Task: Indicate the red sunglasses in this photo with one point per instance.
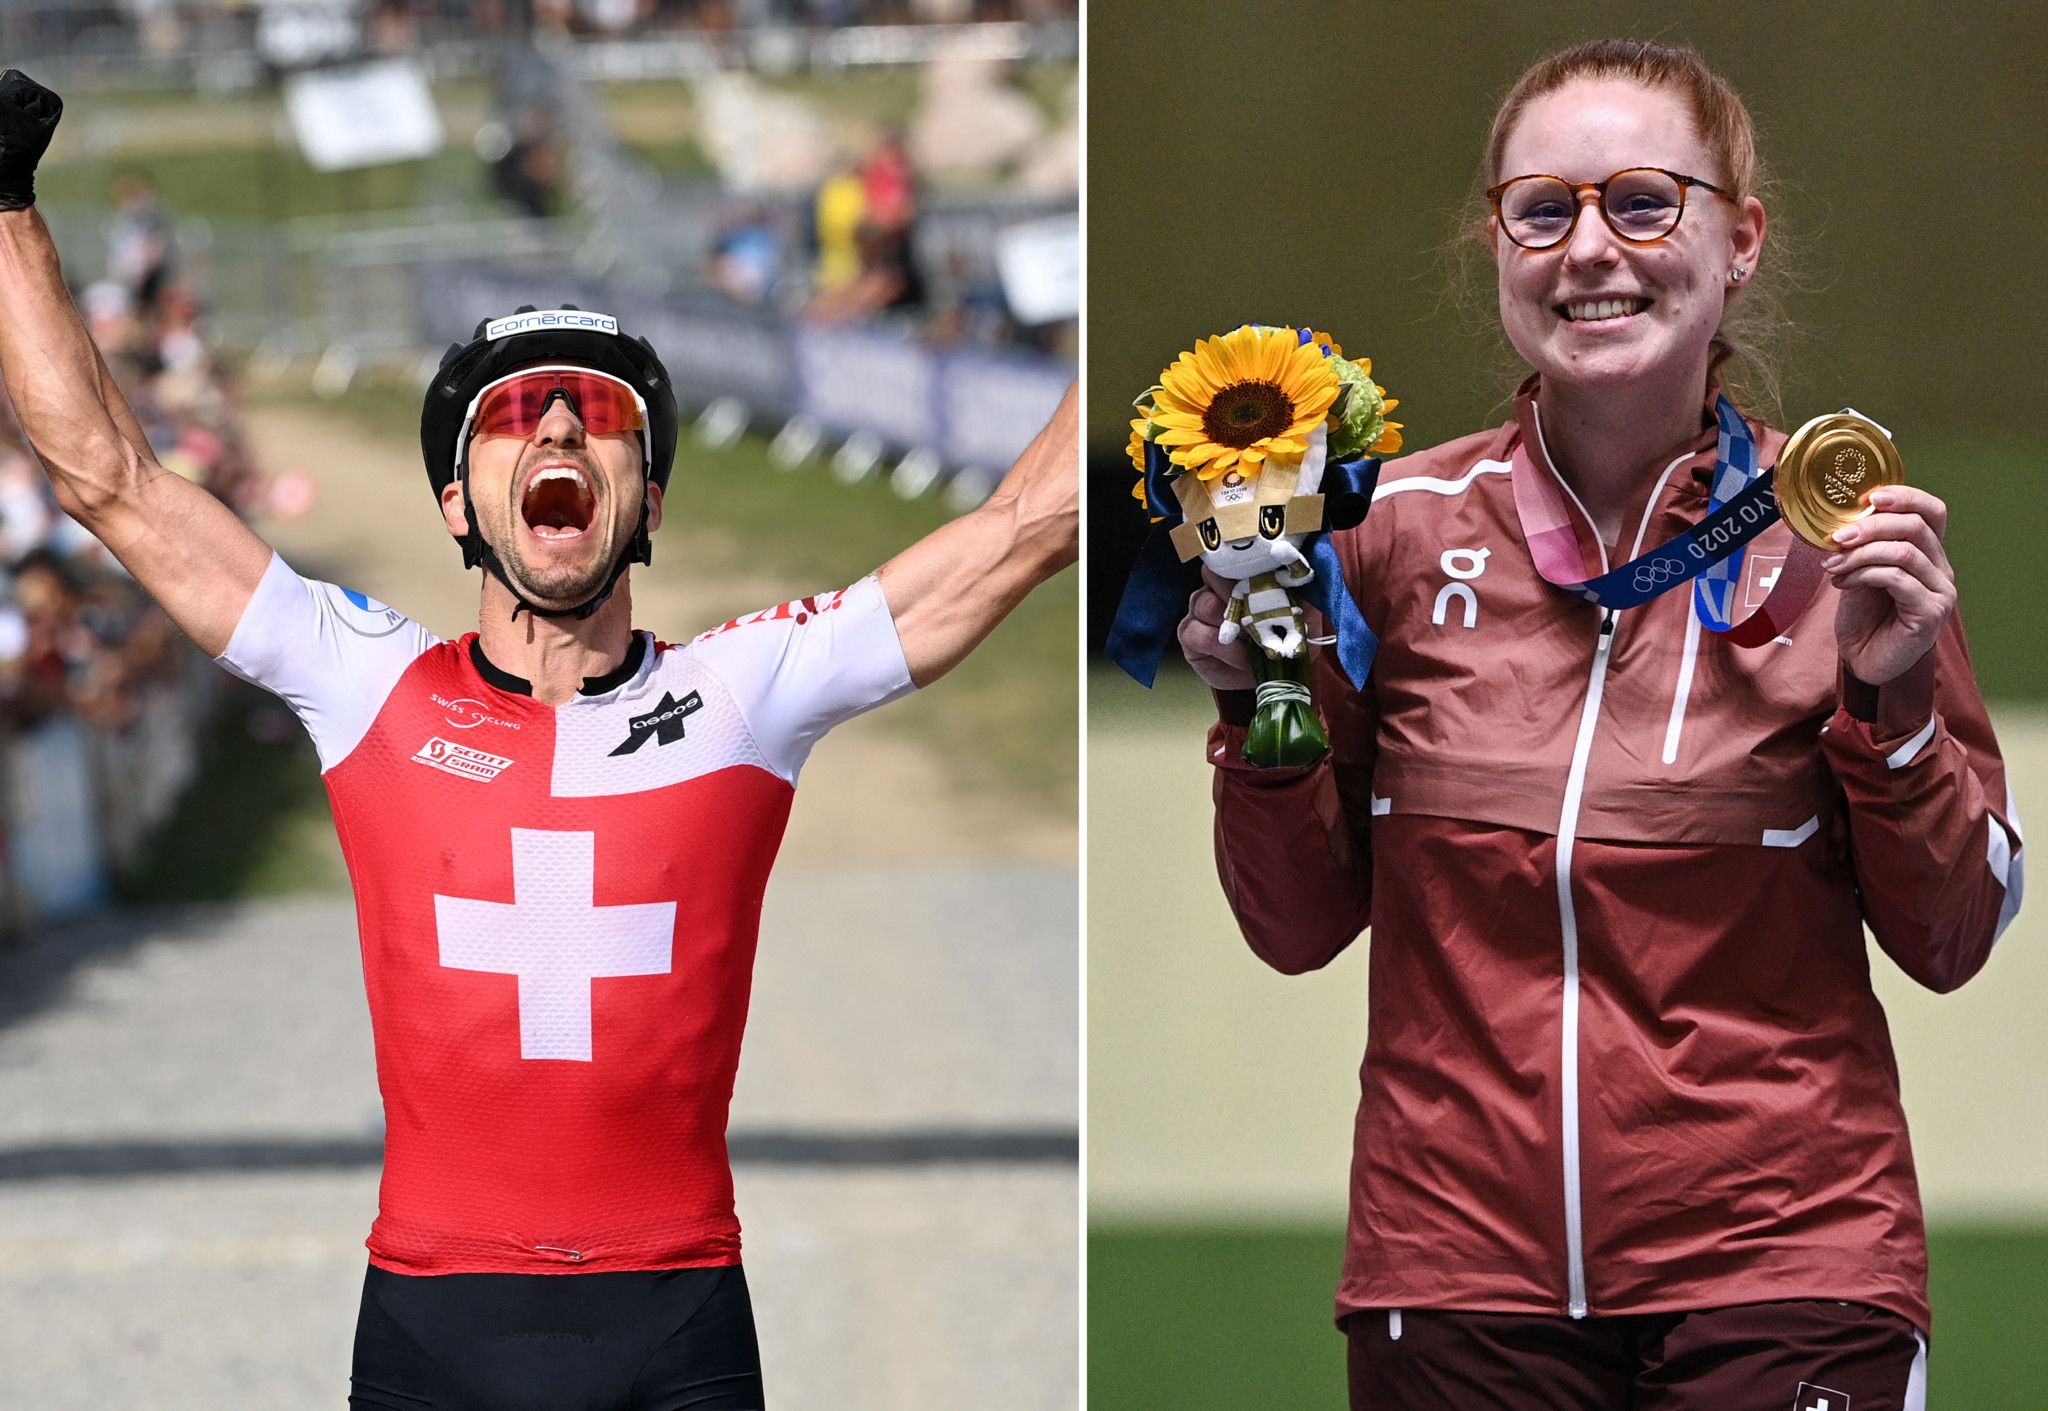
(515, 405)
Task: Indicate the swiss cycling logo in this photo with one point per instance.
(365, 616)
(466, 712)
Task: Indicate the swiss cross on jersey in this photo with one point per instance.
(554, 938)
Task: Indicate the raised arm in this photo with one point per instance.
(950, 589)
(186, 549)
(1932, 823)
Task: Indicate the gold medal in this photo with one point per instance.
(1827, 470)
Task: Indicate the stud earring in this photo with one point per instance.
(1738, 274)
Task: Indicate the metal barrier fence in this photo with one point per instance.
(350, 287)
(78, 802)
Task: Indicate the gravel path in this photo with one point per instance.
(188, 1156)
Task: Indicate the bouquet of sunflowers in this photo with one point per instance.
(1249, 449)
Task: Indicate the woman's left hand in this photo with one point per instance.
(1898, 589)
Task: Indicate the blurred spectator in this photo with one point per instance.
(840, 210)
(747, 255)
(139, 247)
(529, 173)
(26, 511)
(886, 282)
(614, 17)
(393, 28)
(77, 637)
(890, 185)
(970, 308)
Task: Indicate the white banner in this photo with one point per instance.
(364, 115)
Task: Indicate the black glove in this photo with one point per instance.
(28, 119)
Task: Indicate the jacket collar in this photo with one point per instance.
(636, 651)
(1698, 482)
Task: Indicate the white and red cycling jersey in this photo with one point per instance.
(558, 908)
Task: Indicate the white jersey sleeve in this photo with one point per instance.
(801, 668)
(330, 653)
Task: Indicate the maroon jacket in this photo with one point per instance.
(1622, 1053)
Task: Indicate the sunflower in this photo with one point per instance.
(1241, 397)
(1390, 439)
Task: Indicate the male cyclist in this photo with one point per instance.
(558, 829)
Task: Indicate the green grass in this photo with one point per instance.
(268, 184)
(1199, 1318)
(1006, 718)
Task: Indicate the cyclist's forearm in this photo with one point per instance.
(64, 397)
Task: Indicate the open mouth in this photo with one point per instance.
(559, 502)
(1601, 310)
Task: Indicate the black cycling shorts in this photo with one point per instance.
(659, 1340)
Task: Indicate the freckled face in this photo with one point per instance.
(1598, 310)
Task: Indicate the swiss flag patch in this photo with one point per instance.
(1759, 575)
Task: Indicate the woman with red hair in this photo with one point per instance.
(1630, 1131)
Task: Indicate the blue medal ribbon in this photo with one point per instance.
(1155, 596)
(1741, 505)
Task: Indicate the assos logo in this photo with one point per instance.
(461, 760)
(465, 713)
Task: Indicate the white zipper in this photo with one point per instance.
(1681, 696)
(1567, 835)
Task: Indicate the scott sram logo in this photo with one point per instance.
(664, 722)
(452, 758)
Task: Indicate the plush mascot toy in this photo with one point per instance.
(1249, 450)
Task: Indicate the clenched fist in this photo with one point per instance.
(28, 119)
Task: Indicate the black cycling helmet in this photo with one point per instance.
(526, 336)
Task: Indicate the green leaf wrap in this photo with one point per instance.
(1284, 733)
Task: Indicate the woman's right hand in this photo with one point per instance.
(1223, 667)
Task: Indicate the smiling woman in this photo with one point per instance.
(1617, 920)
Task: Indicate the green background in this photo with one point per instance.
(1306, 164)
